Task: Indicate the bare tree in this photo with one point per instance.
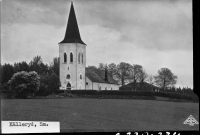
(151, 80)
(165, 78)
(135, 70)
(142, 77)
(122, 73)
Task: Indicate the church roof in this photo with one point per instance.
(97, 75)
(72, 34)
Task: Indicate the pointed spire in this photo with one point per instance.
(72, 34)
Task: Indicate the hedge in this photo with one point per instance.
(132, 93)
(109, 93)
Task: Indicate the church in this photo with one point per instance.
(74, 75)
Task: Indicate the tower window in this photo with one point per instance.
(79, 57)
(80, 76)
(82, 57)
(71, 57)
(68, 76)
(65, 57)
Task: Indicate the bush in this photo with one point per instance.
(8, 94)
(24, 83)
(48, 85)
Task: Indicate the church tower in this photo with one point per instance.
(72, 53)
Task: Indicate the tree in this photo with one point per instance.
(135, 71)
(53, 82)
(122, 73)
(48, 84)
(142, 77)
(38, 66)
(165, 78)
(7, 72)
(21, 66)
(112, 69)
(54, 66)
(24, 83)
(151, 81)
(102, 66)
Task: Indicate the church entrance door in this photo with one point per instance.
(68, 86)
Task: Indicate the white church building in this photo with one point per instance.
(74, 75)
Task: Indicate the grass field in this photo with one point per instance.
(79, 114)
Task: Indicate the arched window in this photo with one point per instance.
(82, 57)
(65, 57)
(68, 76)
(111, 88)
(71, 57)
(79, 57)
(99, 87)
(68, 86)
(106, 88)
(80, 76)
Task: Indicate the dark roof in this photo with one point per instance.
(97, 75)
(72, 34)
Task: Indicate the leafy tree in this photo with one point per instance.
(38, 66)
(21, 66)
(102, 66)
(165, 78)
(53, 82)
(48, 84)
(7, 72)
(112, 69)
(54, 66)
(25, 83)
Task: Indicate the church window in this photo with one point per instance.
(68, 68)
(71, 57)
(65, 57)
(80, 76)
(106, 88)
(86, 83)
(68, 76)
(82, 57)
(111, 88)
(99, 87)
(79, 57)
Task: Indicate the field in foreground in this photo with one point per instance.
(103, 114)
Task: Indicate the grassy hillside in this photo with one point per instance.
(103, 114)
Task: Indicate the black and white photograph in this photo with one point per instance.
(97, 66)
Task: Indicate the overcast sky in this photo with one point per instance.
(152, 33)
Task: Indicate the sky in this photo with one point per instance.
(153, 33)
